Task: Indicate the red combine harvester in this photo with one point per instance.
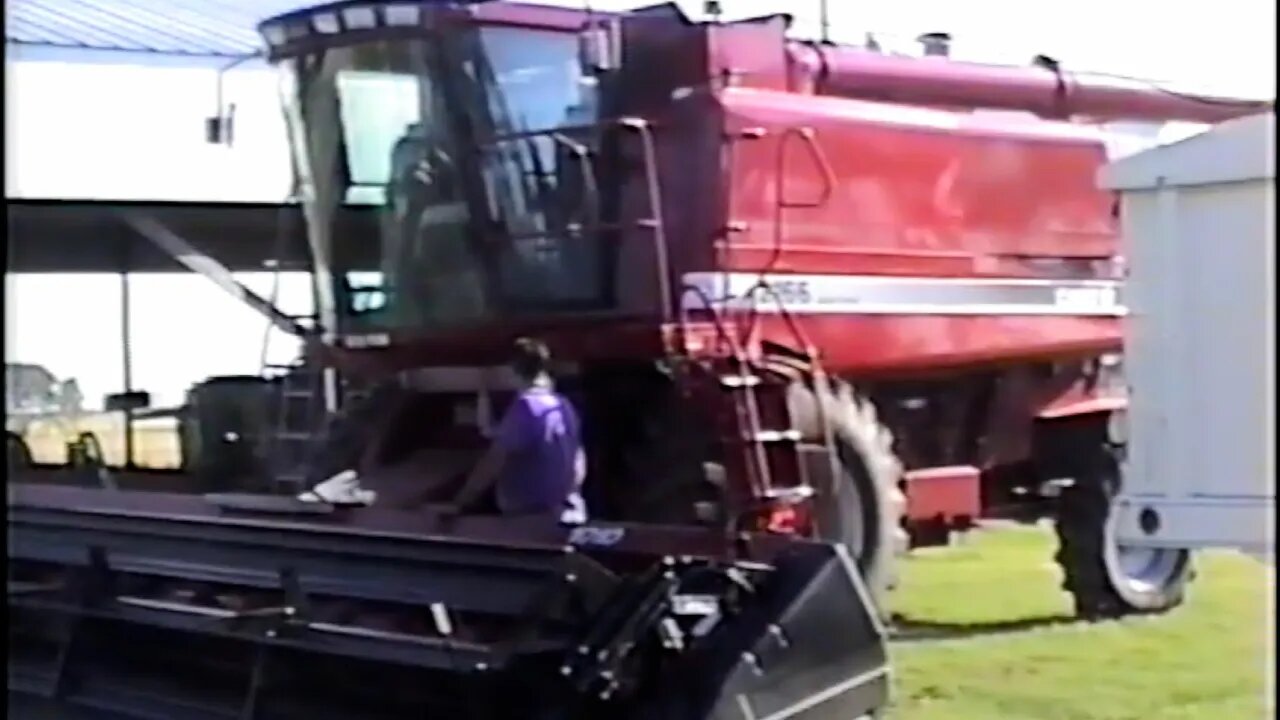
(807, 284)
(814, 302)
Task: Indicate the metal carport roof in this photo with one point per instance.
(213, 28)
(89, 235)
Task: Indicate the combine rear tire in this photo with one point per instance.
(871, 504)
(1105, 579)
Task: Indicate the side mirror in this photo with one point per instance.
(220, 129)
(600, 47)
(136, 400)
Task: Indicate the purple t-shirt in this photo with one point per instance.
(541, 436)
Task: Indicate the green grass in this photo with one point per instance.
(1011, 652)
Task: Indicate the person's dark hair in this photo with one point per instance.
(531, 358)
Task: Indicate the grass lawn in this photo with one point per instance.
(1010, 651)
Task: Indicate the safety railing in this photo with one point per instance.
(590, 204)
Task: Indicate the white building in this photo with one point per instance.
(106, 106)
(107, 100)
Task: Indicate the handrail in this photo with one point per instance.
(807, 135)
(758, 476)
(717, 322)
(788, 317)
(591, 203)
(497, 139)
(658, 222)
(653, 188)
(819, 157)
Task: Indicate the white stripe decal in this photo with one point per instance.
(894, 295)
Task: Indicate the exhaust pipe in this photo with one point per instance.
(936, 44)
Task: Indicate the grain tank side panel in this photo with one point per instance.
(932, 189)
(914, 240)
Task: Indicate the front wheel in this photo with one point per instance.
(1105, 578)
(866, 514)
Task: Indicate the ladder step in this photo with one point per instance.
(295, 435)
(786, 351)
(771, 436)
(794, 494)
(299, 394)
(18, 587)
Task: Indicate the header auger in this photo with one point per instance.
(264, 607)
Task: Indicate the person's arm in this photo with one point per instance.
(482, 476)
(579, 467)
(580, 456)
(509, 438)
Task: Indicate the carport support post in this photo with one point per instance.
(126, 346)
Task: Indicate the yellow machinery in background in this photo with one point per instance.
(219, 435)
(85, 437)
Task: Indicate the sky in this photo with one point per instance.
(186, 329)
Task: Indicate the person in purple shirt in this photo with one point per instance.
(535, 461)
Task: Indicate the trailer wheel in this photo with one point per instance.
(86, 452)
(19, 455)
(870, 503)
(1105, 579)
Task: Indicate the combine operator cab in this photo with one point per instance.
(461, 145)
(477, 172)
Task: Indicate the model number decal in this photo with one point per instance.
(1085, 298)
(792, 291)
(902, 295)
(596, 536)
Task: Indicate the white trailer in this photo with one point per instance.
(1199, 238)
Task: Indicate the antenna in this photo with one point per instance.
(824, 20)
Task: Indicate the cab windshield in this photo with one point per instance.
(445, 140)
